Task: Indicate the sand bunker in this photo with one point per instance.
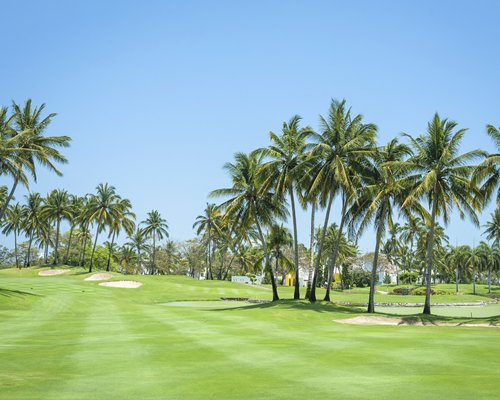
(379, 320)
(99, 277)
(122, 284)
(51, 272)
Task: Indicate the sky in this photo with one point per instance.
(158, 95)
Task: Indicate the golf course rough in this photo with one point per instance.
(67, 338)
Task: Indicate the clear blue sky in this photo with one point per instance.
(157, 95)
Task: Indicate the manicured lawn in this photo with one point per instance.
(65, 338)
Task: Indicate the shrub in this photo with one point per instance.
(360, 278)
(403, 291)
(404, 277)
(421, 291)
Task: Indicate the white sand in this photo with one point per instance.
(122, 284)
(379, 320)
(51, 272)
(99, 277)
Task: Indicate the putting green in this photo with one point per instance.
(65, 338)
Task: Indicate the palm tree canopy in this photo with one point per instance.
(155, 225)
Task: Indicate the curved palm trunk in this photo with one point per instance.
(311, 255)
(336, 251)
(46, 252)
(9, 198)
(296, 293)
(267, 262)
(93, 247)
(82, 263)
(110, 250)
(15, 249)
(312, 295)
(430, 254)
(56, 253)
(66, 256)
(371, 299)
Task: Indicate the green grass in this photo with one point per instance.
(65, 338)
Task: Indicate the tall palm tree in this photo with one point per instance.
(155, 226)
(123, 217)
(279, 238)
(488, 172)
(442, 176)
(35, 147)
(338, 158)
(32, 220)
(251, 203)
(76, 208)
(409, 232)
(13, 223)
(57, 207)
(102, 208)
(381, 195)
(492, 230)
(284, 171)
(209, 223)
(138, 241)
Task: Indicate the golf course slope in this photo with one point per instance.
(64, 337)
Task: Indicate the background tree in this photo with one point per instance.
(13, 223)
(155, 226)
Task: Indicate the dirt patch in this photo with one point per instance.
(99, 277)
(379, 320)
(122, 284)
(51, 272)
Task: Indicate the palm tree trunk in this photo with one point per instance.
(489, 279)
(311, 255)
(56, 254)
(28, 255)
(154, 255)
(109, 251)
(140, 258)
(411, 259)
(430, 253)
(474, 279)
(93, 247)
(336, 251)
(66, 257)
(83, 250)
(266, 261)
(209, 268)
(312, 295)
(371, 299)
(15, 248)
(9, 198)
(296, 293)
(456, 278)
(46, 252)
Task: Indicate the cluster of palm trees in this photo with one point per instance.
(427, 177)
(88, 217)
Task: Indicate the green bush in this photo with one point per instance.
(404, 277)
(421, 291)
(360, 278)
(402, 291)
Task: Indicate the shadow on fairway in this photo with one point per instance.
(15, 293)
(320, 307)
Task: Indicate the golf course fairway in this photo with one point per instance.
(62, 337)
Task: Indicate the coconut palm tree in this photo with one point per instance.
(123, 217)
(138, 241)
(409, 233)
(57, 207)
(209, 222)
(102, 208)
(32, 215)
(155, 226)
(279, 238)
(338, 158)
(250, 203)
(488, 172)
(34, 147)
(442, 176)
(492, 230)
(76, 208)
(12, 224)
(382, 194)
(284, 171)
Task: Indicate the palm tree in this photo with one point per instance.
(34, 147)
(278, 239)
(76, 204)
(492, 230)
(251, 203)
(488, 172)
(209, 222)
(284, 171)
(138, 241)
(409, 232)
(57, 207)
(102, 208)
(382, 193)
(443, 177)
(337, 158)
(123, 217)
(155, 226)
(32, 220)
(13, 223)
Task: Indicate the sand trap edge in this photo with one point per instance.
(122, 284)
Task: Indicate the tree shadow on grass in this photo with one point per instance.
(319, 306)
(430, 320)
(16, 293)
